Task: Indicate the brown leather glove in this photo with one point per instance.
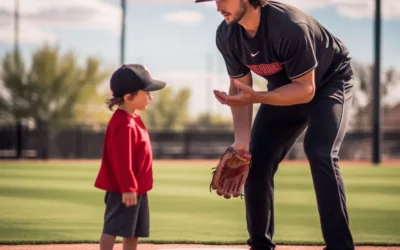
(231, 173)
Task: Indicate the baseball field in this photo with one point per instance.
(55, 202)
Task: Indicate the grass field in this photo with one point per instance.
(56, 202)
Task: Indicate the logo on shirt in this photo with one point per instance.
(253, 55)
(266, 69)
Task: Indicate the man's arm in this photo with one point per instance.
(301, 90)
(296, 47)
(241, 115)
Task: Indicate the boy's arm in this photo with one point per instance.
(122, 150)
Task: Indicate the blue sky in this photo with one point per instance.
(174, 39)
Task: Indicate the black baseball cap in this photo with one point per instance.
(130, 78)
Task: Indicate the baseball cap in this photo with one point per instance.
(133, 77)
(199, 1)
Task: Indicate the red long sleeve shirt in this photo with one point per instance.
(126, 163)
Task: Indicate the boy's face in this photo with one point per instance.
(140, 101)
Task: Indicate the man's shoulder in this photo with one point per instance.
(282, 17)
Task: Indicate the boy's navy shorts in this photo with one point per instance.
(127, 222)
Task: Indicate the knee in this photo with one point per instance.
(316, 152)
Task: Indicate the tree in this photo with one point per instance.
(168, 110)
(51, 89)
(363, 101)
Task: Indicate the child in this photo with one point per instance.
(126, 167)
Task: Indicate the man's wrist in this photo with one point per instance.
(241, 145)
(261, 96)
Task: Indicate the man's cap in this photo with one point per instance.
(130, 78)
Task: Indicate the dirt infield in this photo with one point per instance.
(173, 247)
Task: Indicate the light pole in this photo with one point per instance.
(376, 93)
(123, 20)
(16, 26)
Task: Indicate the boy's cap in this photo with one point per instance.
(133, 77)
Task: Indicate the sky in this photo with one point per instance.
(175, 39)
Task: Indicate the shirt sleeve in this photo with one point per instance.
(234, 67)
(122, 151)
(296, 47)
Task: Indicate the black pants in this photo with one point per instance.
(274, 132)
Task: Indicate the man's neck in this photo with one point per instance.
(251, 20)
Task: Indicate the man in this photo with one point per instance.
(308, 72)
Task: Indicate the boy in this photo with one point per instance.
(126, 167)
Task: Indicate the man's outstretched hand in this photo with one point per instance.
(246, 95)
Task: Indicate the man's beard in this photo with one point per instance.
(239, 13)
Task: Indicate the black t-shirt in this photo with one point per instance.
(287, 45)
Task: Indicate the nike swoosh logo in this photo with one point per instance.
(253, 55)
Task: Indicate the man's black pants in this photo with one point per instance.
(274, 132)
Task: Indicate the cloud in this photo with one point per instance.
(29, 34)
(38, 16)
(157, 2)
(355, 9)
(366, 9)
(186, 18)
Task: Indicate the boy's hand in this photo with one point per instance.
(129, 199)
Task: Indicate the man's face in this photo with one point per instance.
(231, 10)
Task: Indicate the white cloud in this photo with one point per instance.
(30, 34)
(184, 17)
(366, 9)
(158, 2)
(38, 15)
(350, 8)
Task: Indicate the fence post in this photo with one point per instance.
(19, 139)
(45, 139)
(78, 141)
(187, 142)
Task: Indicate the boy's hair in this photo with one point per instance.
(116, 101)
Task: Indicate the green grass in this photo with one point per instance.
(49, 202)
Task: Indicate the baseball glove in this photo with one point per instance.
(230, 175)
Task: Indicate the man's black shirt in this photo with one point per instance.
(288, 44)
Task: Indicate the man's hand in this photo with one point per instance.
(129, 198)
(245, 95)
